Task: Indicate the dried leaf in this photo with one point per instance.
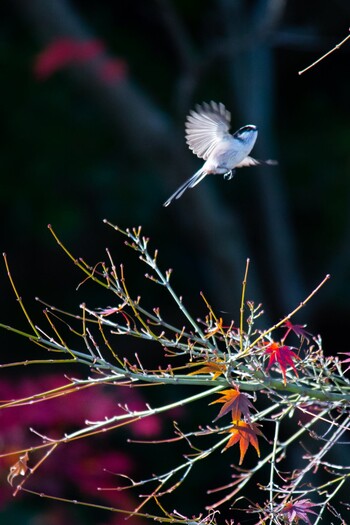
(19, 468)
(218, 328)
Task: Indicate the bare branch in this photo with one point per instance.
(335, 48)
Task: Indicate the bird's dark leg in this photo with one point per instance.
(229, 174)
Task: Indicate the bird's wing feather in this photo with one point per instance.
(206, 127)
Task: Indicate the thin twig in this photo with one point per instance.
(244, 285)
(335, 48)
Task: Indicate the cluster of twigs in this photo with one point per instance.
(286, 400)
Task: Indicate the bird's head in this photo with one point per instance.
(246, 133)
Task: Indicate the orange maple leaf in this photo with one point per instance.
(245, 434)
(211, 368)
(236, 402)
(283, 355)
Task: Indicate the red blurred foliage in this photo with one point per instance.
(113, 69)
(82, 465)
(65, 52)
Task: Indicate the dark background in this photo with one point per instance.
(76, 149)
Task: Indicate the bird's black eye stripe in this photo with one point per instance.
(247, 128)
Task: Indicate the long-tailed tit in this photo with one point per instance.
(207, 135)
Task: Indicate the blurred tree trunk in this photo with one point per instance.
(251, 72)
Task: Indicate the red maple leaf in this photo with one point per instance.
(297, 510)
(246, 434)
(283, 355)
(236, 402)
(298, 329)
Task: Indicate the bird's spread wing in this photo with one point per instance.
(207, 126)
(249, 161)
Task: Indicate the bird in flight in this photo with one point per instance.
(207, 135)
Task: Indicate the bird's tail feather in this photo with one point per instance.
(190, 183)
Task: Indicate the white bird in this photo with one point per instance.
(207, 135)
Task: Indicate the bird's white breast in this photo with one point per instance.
(227, 155)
